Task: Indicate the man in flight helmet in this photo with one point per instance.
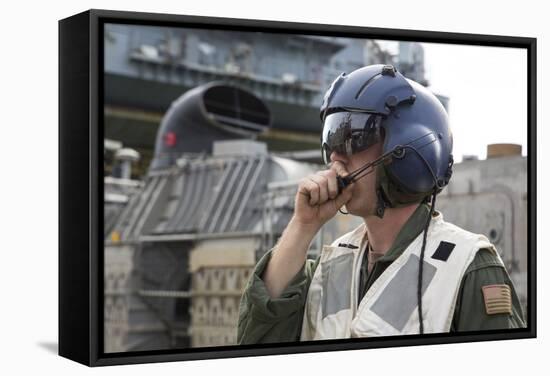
(378, 102)
(404, 270)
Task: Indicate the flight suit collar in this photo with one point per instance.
(410, 230)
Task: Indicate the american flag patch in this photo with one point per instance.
(498, 299)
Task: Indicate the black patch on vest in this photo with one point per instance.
(443, 251)
(351, 246)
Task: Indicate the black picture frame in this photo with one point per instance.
(81, 186)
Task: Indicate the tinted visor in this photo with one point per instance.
(348, 133)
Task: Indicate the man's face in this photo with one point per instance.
(363, 201)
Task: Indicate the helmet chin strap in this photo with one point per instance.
(381, 202)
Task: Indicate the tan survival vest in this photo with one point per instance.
(389, 307)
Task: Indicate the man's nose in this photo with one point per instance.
(339, 163)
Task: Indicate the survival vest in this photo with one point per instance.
(389, 306)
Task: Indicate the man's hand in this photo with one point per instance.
(317, 200)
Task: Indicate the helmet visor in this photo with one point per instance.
(348, 133)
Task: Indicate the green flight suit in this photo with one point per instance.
(266, 320)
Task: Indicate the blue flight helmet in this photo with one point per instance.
(375, 102)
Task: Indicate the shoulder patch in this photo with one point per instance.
(498, 299)
(443, 251)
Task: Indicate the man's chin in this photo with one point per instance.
(359, 210)
(352, 208)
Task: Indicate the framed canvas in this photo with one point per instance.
(187, 144)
